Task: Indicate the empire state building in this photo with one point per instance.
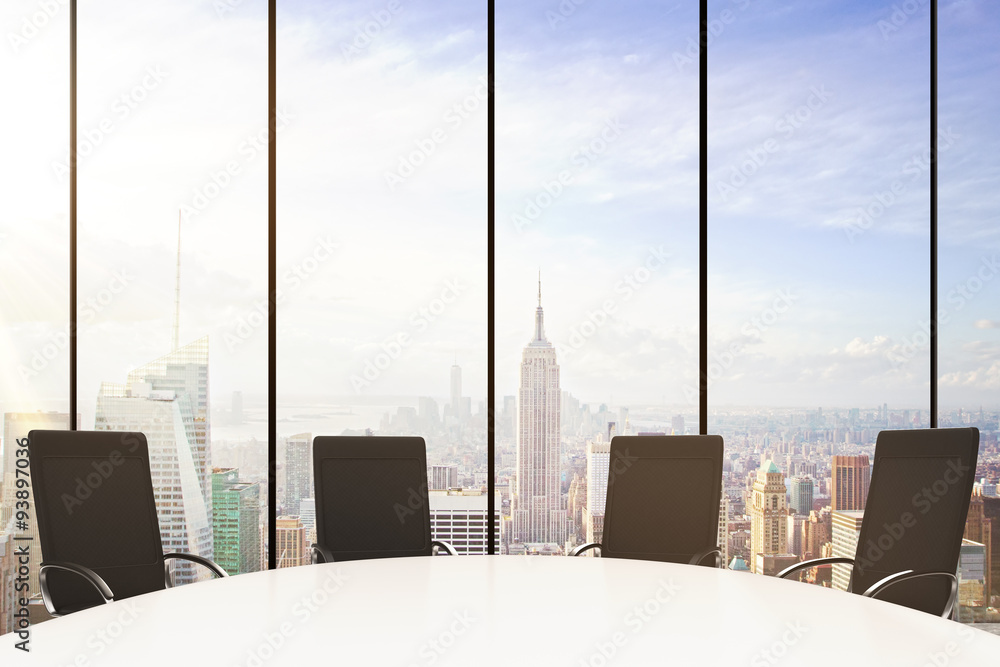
(537, 512)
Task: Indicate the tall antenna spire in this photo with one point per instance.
(177, 290)
(539, 338)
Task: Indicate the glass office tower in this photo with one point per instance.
(235, 521)
(167, 400)
(298, 471)
(801, 495)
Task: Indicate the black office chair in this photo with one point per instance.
(911, 532)
(371, 499)
(97, 522)
(663, 499)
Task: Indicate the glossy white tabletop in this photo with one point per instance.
(501, 610)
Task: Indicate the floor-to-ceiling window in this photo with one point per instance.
(382, 247)
(818, 259)
(969, 278)
(819, 328)
(597, 251)
(34, 258)
(172, 253)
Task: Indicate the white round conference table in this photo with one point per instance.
(501, 610)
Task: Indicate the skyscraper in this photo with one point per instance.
(598, 465)
(846, 530)
(235, 522)
(307, 514)
(167, 400)
(991, 511)
(185, 372)
(815, 533)
(443, 477)
(973, 568)
(801, 493)
(459, 518)
(536, 507)
(723, 532)
(577, 503)
(795, 532)
(290, 536)
(979, 528)
(298, 467)
(768, 512)
(849, 479)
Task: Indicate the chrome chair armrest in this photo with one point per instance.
(92, 578)
(443, 545)
(813, 563)
(908, 575)
(214, 567)
(576, 551)
(701, 555)
(321, 555)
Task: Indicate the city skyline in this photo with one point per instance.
(820, 432)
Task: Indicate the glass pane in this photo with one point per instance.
(173, 260)
(34, 256)
(819, 237)
(382, 248)
(597, 247)
(968, 287)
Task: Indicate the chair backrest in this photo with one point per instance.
(663, 497)
(371, 496)
(94, 506)
(914, 517)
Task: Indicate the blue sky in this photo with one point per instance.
(373, 254)
(861, 298)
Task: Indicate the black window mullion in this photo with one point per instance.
(272, 286)
(703, 219)
(72, 216)
(934, 215)
(491, 285)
